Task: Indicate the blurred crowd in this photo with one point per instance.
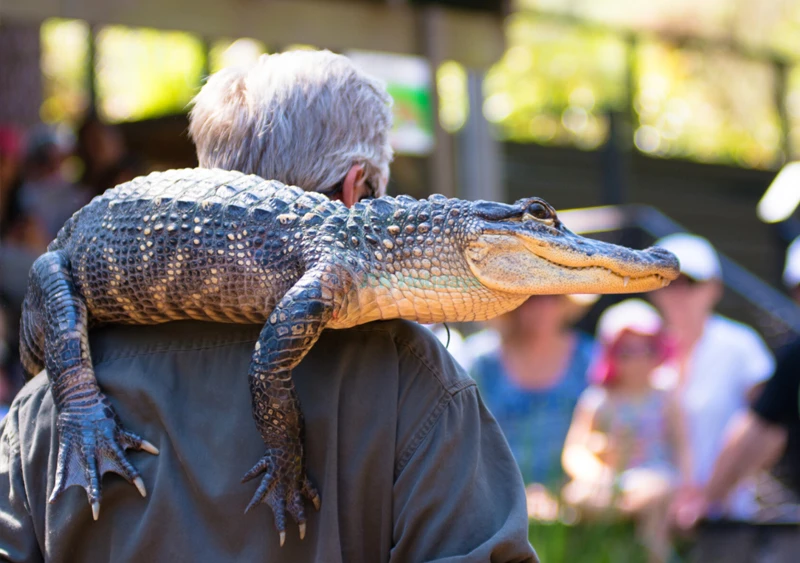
(46, 174)
(642, 420)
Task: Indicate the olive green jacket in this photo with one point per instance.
(410, 465)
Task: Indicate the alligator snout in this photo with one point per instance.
(665, 261)
(665, 256)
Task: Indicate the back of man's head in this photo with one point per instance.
(301, 117)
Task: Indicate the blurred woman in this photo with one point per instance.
(101, 149)
(626, 450)
(531, 368)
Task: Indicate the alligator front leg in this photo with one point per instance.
(292, 329)
(91, 440)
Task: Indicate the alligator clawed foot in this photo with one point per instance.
(92, 443)
(283, 488)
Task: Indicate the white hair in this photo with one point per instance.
(301, 117)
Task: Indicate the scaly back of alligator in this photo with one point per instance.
(223, 246)
(198, 244)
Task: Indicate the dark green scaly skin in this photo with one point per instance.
(221, 246)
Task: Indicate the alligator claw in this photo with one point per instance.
(92, 443)
(140, 486)
(149, 448)
(283, 488)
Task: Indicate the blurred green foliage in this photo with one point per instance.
(554, 85)
(451, 84)
(557, 542)
(793, 109)
(144, 73)
(692, 100)
(557, 81)
(65, 75)
(772, 26)
(706, 105)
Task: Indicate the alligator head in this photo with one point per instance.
(524, 249)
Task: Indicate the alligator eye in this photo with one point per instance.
(540, 212)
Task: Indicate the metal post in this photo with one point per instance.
(616, 154)
(480, 153)
(441, 167)
(91, 70)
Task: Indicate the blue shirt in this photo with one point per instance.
(535, 421)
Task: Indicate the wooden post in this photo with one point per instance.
(441, 166)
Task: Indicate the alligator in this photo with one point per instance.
(217, 245)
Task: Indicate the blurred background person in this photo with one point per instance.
(124, 170)
(766, 436)
(11, 157)
(531, 380)
(21, 240)
(46, 197)
(720, 364)
(101, 149)
(626, 450)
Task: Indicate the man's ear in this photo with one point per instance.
(354, 187)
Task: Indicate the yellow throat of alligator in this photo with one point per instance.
(530, 265)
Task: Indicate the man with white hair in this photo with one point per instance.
(307, 118)
(770, 430)
(722, 364)
(408, 462)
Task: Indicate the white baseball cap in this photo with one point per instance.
(791, 271)
(632, 315)
(698, 258)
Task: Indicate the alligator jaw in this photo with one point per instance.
(571, 264)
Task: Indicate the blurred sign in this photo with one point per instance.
(408, 80)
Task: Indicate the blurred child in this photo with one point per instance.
(530, 375)
(721, 366)
(626, 449)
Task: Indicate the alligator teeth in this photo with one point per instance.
(664, 282)
(625, 281)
